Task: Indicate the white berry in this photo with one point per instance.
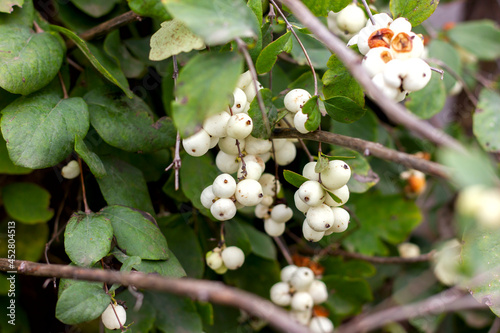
(216, 125)
(249, 192)
(309, 172)
(239, 126)
(408, 250)
(273, 228)
(255, 146)
(299, 122)
(321, 325)
(281, 213)
(269, 185)
(286, 154)
(253, 170)
(233, 257)
(280, 294)
(351, 19)
(388, 91)
(250, 90)
(311, 193)
(318, 291)
(71, 170)
(244, 80)
(214, 259)
(224, 186)
(401, 24)
(299, 204)
(418, 75)
(310, 234)
(240, 101)
(302, 317)
(197, 144)
(109, 317)
(301, 301)
(341, 193)
(302, 278)
(226, 162)
(295, 99)
(228, 145)
(341, 220)
(287, 272)
(207, 197)
(336, 175)
(223, 209)
(261, 211)
(394, 73)
(320, 218)
(375, 60)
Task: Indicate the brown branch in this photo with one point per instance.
(396, 112)
(384, 260)
(447, 301)
(368, 148)
(105, 27)
(201, 290)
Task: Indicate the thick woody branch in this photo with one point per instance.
(201, 290)
(396, 112)
(447, 301)
(368, 148)
(105, 27)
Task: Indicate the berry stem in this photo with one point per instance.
(243, 164)
(242, 46)
(276, 172)
(290, 27)
(370, 15)
(284, 250)
(437, 70)
(177, 162)
(84, 193)
(63, 86)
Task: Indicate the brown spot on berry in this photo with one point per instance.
(249, 122)
(327, 226)
(346, 166)
(225, 181)
(238, 106)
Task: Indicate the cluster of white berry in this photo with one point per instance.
(220, 259)
(113, 316)
(294, 101)
(300, 290)
(393, 56)
(324, 215)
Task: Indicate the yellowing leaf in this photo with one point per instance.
(173, 38)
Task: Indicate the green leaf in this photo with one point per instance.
(204, 87)
(124, 185)
(321, 164)
(114, 47)
(87, 238)
(294, 178)
(136, 234)
(6, 165)
(216, 21)
(257, 275)
(471, 168)
(338, 81)
(445, 52)
(29, 60)
(267, 58)
(27, 203)
(183, 241)
(99, 60)
(260, 243)
(168, 268)
(93, 161)
(173, 38)
(24, 15)
(311, 108)
(323, 7)
(259, 127)
(379, 224)
(333, 196)
(362, 176)
(336, 266)
(7, 6)
(430, 100)
(365, 128)
(95, 8)
(150, 8)
(416, 11)
(480, 256)
(30, 240)
(347, 295)
(477, 37)
(128, 124)
(193, 186)
(82, 301)
(256, 7)
(40, 129)
(163, 312)
(487, 120)
(318, 53)
(343, 109)
(235, 235)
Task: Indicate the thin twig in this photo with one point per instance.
(106, 27)
(63, 86)
(292, 30)
(284, 250)
(457, 77)
(495, 327)
(201, 290)
(396, 112)
(447, 301)
(84, 193)
(242, 46)
(177, 162)
(368, 11)
(370, 148)
(437, 70)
